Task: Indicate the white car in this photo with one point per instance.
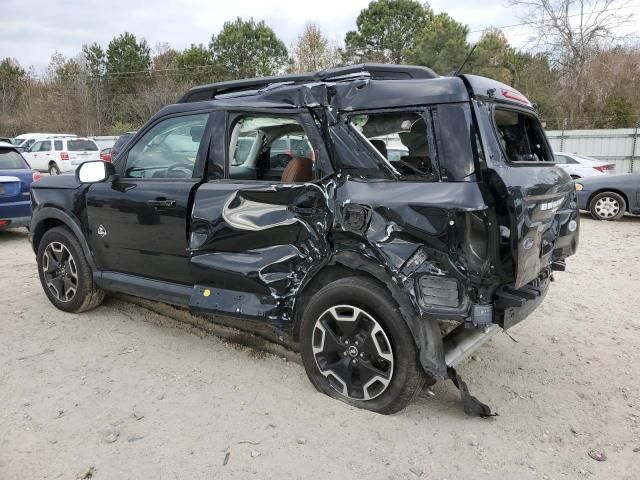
(58, 155)
(24, 141)
(579, 166)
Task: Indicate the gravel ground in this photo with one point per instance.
(125, 391)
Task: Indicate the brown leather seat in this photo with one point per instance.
(299, 169)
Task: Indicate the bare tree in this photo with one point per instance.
(570, 32)
(313, 50)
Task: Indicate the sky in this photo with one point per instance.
(32, 30)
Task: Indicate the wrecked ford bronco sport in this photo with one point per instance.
(275, 204)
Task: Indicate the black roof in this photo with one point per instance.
(379, 71)
(357, 87)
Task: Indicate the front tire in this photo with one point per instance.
(65, 274)
(607, 206)
(356, 347)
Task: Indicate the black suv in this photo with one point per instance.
(385, 273)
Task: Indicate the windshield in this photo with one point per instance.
(17, 141)
(12, 160)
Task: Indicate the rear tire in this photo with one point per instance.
(607, 206)
(53, 169)
(356, 347)
(65, 274)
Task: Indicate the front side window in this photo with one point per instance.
(169, 149)
(271, 148)
(402, 139)
(521, 136)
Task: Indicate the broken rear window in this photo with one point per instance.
(521, 136)
(402, 139)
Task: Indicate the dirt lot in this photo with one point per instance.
(136, 394)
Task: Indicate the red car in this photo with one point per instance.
(105, 155)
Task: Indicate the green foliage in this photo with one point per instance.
(617, 112)
(442, 45)
(13, 79)
(386, 30)
(493, 57)
(96, 59)
(246, 49)
(194, 65)
(128, 63)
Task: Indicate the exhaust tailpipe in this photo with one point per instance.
(462, 342)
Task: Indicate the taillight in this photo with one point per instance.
(64, 156)
(36, 176)
(605, 168)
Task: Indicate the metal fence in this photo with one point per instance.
(619, 146)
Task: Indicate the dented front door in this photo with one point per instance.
(253, 244)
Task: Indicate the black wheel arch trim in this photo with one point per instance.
(67, 219)
(425, 331)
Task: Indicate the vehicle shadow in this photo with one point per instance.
(14, 235)
(627, 218)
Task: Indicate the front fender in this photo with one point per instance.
(48, 217)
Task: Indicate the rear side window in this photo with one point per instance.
(57, 145)
(457, 141)
(521, 136)
(402, 139)
(11, 160)
(271, 148)
(81, 145)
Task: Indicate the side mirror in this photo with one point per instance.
(95, 171)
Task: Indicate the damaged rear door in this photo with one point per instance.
(539, 223)
(261, 227)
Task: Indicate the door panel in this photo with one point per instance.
(135, 228)
(259, 240)
(139, 222)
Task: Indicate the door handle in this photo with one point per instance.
(158, 203)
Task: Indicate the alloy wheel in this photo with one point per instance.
(60, 271)
(353, 352)
(607, 207)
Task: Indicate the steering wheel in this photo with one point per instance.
(181, 166)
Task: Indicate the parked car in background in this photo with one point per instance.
(105, 155)
(24, 141)
(16, 177)
(609, 197)
(57, 155)
(579, 166)
(121, 142)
